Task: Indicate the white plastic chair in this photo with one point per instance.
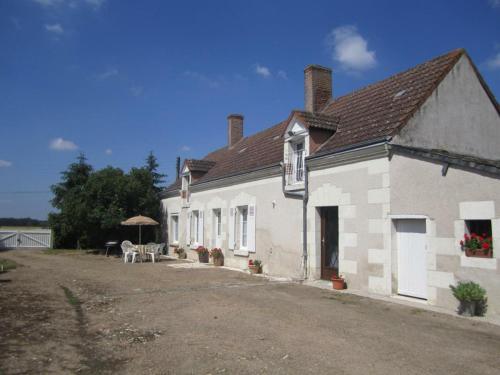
(129, 250)
(152, 250)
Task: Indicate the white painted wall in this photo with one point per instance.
(418, 188)
(458, 117)
(278, 224)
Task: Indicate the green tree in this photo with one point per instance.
(69, 224)
(152, 166)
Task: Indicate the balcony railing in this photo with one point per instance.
(294, 169)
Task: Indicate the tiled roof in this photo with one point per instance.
(377, 111)
(199, 165)
(381, 109)
(257, 151)
(318, 120)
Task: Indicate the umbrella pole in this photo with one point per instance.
(140, 229)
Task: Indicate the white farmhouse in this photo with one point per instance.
(379, 185)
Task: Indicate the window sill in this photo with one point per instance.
(296, 186)
(476, 262)
(241, 252)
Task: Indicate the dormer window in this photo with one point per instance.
(185, 182)
(296, 140)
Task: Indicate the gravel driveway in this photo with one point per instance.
(89, 314)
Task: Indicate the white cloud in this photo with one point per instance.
(495, 3)
(54, 28)
(136, 90)
(262, 70)
(350, 49)
(282, 74)
(212, 83)
(96, 4)
(112, 72)
(494, 62)
(185, 148)
(60, 144)
(108, 151)
(5, 163)
(49, 3)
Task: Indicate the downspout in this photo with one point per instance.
(305, 198)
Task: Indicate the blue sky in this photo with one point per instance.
(116, 78)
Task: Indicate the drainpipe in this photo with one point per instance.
(305, 198)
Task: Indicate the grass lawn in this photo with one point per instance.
(66, 252)
(6, 265)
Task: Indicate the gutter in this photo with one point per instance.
(305, 198)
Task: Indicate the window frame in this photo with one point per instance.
(195, 227)
(243, 227)
(174, 223)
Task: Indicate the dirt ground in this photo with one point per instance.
(88, 314)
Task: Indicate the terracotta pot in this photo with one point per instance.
(478, 253)
(338, 283)
(254, 269)
(203, 257)
(219, 261)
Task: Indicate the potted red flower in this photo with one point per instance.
(217, 256)
(255, 266)
(477, 246)
(338, 282)
(202, 254)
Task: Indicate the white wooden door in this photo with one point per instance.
(412, 262)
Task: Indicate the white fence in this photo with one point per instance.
(11, 239)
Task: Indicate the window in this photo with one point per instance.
(243, 227)
(195, 226)
(299, 161)
(186, 180)
(296, 158)
(217, 228)
(481, 230)
(174, 228)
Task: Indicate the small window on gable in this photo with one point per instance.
(478, 240)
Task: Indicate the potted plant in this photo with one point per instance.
(255, 266)
(181, 254)
(477, 246)
(472, 297)
(202, 254)
(338, 282)
(217, 256)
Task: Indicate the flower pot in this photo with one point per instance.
(219, 261)
(254, 269)
(478, 253)
(467, 308)
(203, 257)
(338, 283)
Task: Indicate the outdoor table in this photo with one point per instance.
(142, 251)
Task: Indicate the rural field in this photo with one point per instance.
(88, 314)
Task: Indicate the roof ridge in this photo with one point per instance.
(457, 52)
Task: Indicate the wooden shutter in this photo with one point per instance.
(251, 229)
(200, 227)
(188, 228)
(230, 223)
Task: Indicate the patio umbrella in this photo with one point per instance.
(140, 221)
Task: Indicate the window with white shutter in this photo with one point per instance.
(188, 229)
(200, 228)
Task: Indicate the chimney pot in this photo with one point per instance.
(317, 87)
(234, 129)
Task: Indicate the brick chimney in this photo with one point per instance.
(234, 129)
(317, 87)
